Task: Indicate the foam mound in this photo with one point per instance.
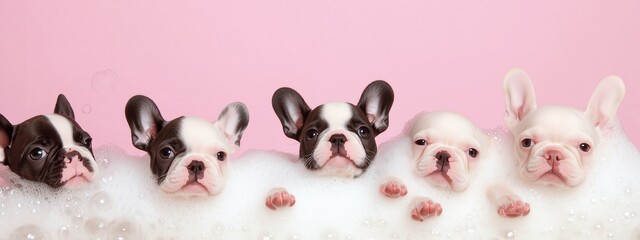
(125, 202)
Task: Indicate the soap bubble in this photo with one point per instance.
(122, 229)
(86, 109)
(95, 226)
(104, 81)
(29, 232)
(101, 202)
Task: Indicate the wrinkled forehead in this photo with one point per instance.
(559, 121)
(443, 124)
(200, 135)
(337, 114)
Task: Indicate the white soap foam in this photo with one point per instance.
(125, 203)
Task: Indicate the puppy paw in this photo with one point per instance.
(425, 208)
(279, 198)
(513, 208)
(393, 188)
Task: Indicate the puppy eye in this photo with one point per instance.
(585, 147)
(364, 132)
(88, 141)
(221, 156)
(421, 142)
(527, 142)
(473, 152)
(167, 153)
(37, 154)
(312, 134)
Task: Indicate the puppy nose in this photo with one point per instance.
(443, 156)
(70, 155)
(197, 169)
(339, 139)
(553, 156)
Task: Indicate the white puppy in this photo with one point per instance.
(446, 147)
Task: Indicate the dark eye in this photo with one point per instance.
(221, 156)
(473, 152)
(421, 142)
(87, 142)
(364, 132)
(526, 142)
(37, 154)
(585, 147)
(167, 153)
(312, 134)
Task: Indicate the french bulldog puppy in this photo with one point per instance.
(336, 138)
(51, 148)
(188, 155)
(553, 144)
(446, 147)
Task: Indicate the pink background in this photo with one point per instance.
(194, 57)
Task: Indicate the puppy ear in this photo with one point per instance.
(63, 107)
(6, 131)
(233, 120)
(376, 101)
(604, 102)
(291, 109)
(521, 98)
(145, 121)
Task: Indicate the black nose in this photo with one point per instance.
(338, 139)
(197, 169)
(443, 158)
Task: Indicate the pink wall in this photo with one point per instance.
(193, 57)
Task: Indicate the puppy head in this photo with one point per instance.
(336, 138)
(553, 143)
(188, 155)
(446, 145)
(50, 148)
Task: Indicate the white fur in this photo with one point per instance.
(203, 141)
(74, 168)
(337, 115)
(557, 129)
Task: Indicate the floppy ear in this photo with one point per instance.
(521, 98)
(233, 120)
(145, 121)
(6, 131)
(604, 102)
(63, 107)
(291, 109)
(376, 101)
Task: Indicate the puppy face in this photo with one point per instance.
(188, 155)
(445, 147)
(554, 144)
(50, 148)
(336, 138)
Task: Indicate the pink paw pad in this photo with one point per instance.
(279, 198)
(514, 209)
(393, 189)
(425, 209)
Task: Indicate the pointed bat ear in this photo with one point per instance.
(144, 119)
(233, 120)
(6, 131)
(605, 101)
(376, 101)
(63, 107)
(520, 96)
(291, 109)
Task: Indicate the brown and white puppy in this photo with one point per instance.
(51, 148)
(336, 138)
(188, 155)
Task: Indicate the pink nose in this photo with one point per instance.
(553, 157)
